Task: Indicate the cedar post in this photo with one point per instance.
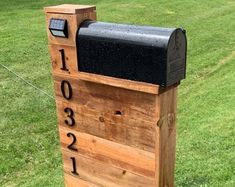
(113, 132)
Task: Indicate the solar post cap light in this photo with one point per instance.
(58, 27)
(116, 97)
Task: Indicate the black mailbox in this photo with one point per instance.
(140, 53)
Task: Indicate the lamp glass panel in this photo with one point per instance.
(58, 33)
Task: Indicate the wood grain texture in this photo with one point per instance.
(121, 83)
(136, 133)
(126, 130)
(166, 138)
(111, 113)
(117, 155)
(71, 181)
(70, 57)
(69, 9)
(142, 104)
(102, 174)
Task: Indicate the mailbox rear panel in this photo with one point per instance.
(176, 57)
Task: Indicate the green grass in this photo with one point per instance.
(29, 145)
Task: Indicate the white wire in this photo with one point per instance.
(27, 82)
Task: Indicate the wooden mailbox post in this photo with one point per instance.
(113, 131)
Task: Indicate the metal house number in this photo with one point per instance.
(66, 90)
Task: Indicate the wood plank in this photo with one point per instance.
(112, 81)
(166, 138)
(69, 9)
(124, 157)
(71, 181)
(103, 174)
(106, 107)
(121, 83)
(98, 96)
(95, 107)
(135, 133)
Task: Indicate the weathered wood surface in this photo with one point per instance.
(125, 130)
(103, 174)
(71, 181)
(115, 114)
(118, 155)
(121, 83)
(166, 138)
(70, 56)
(70, 9)
(96, 117)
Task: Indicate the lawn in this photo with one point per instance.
(29, 146)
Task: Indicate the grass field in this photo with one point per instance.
(29, 145)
